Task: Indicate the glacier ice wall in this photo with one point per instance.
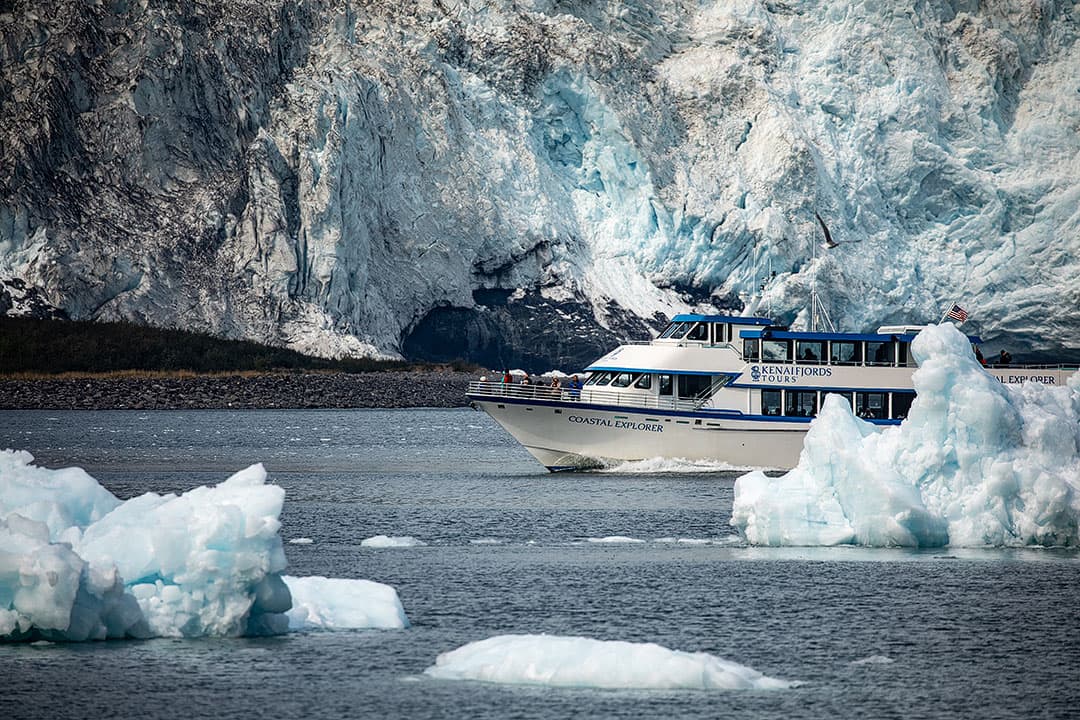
(976, 463)
(485, 178)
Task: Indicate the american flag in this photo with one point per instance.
(958, 313)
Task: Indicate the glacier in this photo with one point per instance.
(977, 463)
(525, 183)
(78, 564)
(567, 661)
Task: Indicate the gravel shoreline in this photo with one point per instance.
(211, 392)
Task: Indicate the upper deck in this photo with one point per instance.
(749, 368)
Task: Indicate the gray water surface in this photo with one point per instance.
(867, 633)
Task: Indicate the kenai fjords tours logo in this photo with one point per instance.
(787, 373)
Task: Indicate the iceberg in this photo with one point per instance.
(77, 564)
(976, 463)
(562, 661)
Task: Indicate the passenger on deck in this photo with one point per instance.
(555, 382)
(1004, 358)
(507, 377)
(575, 388)
(808, 354)
(979, 357)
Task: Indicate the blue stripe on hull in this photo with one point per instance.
(702, 414)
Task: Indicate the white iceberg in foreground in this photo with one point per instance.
(76, 563)
(976, 463)
(337, 603)
(583, 662)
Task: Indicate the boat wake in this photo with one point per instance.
(673, 466)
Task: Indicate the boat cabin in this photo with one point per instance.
(707, 329)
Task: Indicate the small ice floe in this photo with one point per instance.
(301, 541)
(873, 660)
(614, 540)
(561, 661)
(387, 541)
(486, 541)
(339, 604)
(976, 463)
(684, 541)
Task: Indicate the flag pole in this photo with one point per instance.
(946, 314)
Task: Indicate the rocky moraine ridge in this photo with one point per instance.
(524, 183)
(268, 391)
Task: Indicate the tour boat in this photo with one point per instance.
(738, 390)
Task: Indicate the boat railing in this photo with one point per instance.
(586, 394)
(1027, 366)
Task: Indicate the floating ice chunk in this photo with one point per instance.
(684, 541)
(207, 562)
(385, 541)
(338, 604)
(874, 660)
(975, 463)
(614, 540)
(584, 662)
(207, 554)
(301, 541)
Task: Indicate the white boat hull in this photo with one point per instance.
(570, 435)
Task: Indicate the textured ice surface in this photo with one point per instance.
(584, 662)
(975, 463)
(78, 564)
(336, 603)
(368, 163)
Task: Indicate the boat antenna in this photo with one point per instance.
(761, 277)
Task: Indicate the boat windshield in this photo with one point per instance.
(675, 330)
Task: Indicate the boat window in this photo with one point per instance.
(698, 332)
(811, 352)
(644, 382)
(845, 353)
(775, 350)
(665, 384)
(621, 380)
(901, 404)
(750, 350)
(675, 329)
(691, 386)
(880, 353)
(904, 357)
(771, 402)
(801, 403)
(870, 405)
(599, 379)
(721, 333)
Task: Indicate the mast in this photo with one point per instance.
(817, 307)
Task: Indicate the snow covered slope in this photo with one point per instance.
(523, 183)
